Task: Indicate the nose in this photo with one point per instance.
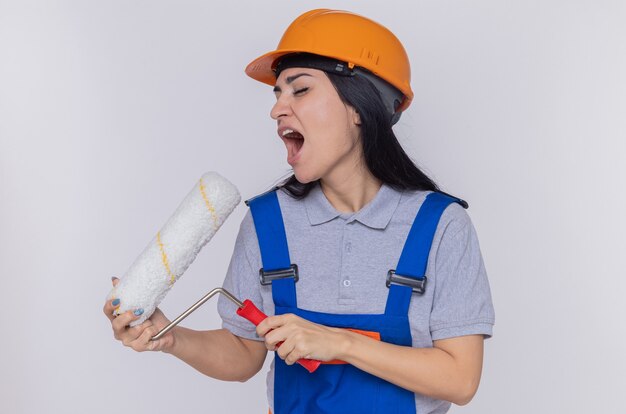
(281, 108)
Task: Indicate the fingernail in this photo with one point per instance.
(138, 312)
(115, 302)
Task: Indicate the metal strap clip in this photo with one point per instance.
(267, 277)
(417, 285)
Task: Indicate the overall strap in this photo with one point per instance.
(270, 230)
(411, 267)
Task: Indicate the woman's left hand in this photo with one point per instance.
(301, 338)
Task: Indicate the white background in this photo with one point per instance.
(111, 110)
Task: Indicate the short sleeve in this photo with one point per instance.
(242, 281)
(462, 302)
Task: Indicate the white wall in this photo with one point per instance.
(110, 110)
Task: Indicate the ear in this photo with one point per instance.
(356, 118)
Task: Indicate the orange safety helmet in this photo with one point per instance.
(344, 36)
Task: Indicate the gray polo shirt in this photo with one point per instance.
(343, 259)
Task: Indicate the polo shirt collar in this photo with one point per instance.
(376, 214)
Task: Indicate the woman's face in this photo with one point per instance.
(320, 132)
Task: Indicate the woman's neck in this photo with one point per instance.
(350, 194)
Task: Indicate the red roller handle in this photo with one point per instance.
(254, 315)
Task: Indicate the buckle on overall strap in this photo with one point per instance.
(417, 285)
(267, 277)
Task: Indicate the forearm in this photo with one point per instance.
(433, 372)
(218, 353)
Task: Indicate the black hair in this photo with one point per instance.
(384, 156)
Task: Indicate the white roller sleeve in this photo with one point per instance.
(170, 253)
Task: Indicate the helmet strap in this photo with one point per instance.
(308, 60)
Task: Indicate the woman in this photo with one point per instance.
(380, 274)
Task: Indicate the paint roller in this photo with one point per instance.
(175, 247)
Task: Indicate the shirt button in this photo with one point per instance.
(348, 247)
(347, 283)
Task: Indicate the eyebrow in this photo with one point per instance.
(290, 79)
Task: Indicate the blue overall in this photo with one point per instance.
(344, 388)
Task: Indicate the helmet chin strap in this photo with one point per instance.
(391, 97)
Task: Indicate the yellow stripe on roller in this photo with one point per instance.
(208, 204)
(164, 260)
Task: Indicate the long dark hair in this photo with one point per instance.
(384, 156)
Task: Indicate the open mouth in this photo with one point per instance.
(293, 141)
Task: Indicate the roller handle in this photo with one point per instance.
(254, 315)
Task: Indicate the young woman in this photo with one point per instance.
(363, 263)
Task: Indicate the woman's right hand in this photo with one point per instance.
(138, 337)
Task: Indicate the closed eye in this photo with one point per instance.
(300, 91)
